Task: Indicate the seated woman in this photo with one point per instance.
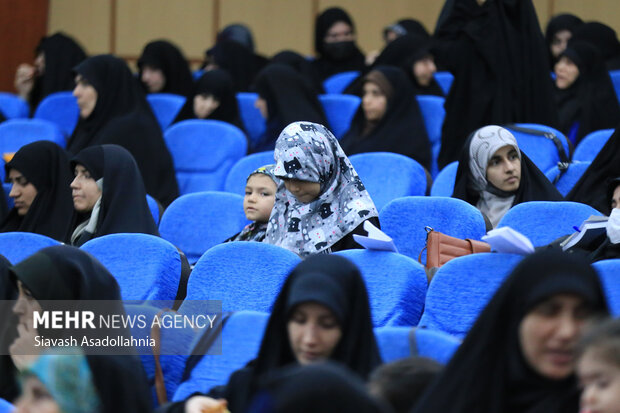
(109, 193)
(494, 175)
(389, 118)
(322, 201)
(284, 96)
(64, 274)
(164, 69)
(40, 175)
(213, 98)
(260, 195)
(56, 55)
(321, 313)
(585, 95)
(114, 110)
(519, 356)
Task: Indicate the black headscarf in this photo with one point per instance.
(489, 373)
(558, 23)
(46, 166)
(239, 61)
(407, 26)
(239, 33)
(591, 188)
(534, 185)
(290, 98)
(501, 66)
(330, 280)
(167, 57)
(61, 53)
(123, 207)
(301, 65)
(9, 388)
(404, 52)
(604, 38)
(401, 130)
(327, 388)
(591, 100)
(216, 82)
(122, 116)
(68, 273)
(335, 57)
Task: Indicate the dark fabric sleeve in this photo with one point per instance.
(348, 243)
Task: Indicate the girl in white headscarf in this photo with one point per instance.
(494, 175)
(321, 202)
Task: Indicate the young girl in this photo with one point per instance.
(260, 195)
(598, 368)
(322, 202)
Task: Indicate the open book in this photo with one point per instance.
(508, 240)
(591, 232)
(376, 239)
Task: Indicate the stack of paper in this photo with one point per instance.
(376, 239)
(508, 240)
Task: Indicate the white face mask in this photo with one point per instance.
(613, 226)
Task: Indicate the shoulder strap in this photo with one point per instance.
(564, 158)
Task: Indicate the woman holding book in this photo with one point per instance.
(494, 175)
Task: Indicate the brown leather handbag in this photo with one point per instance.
(441, 248)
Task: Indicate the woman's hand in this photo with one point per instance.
(202, 404)
(24, 79)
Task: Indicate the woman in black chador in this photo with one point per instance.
(498, 56)
(164, 69)
(113, 109)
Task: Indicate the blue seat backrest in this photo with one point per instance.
(443, 185)
(15, 133)
(541, 150)
(241, 337)
(569, 178)
(433, 112)
(591, 145)
(338, 83)
(154, 208)
(166, 107)
(545, 221)
(16, 246)
(12, 106)
(445, 80)
(388, 176)
(405, 219)
(203, 152)
(196, 222)
(461, 288)
(6, 407)
(339, 111)
(251, 117)
(609, 273)
(396, 296)
(395, 343)
(244, 275)
(238, 174)
(60, 108)
(146, 267)
(615, 79)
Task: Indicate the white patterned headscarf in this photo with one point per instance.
(309, 152)
(493, 202)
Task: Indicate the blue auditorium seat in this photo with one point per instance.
(251, 117)
(203, 151)
(146, 267)
(545, 221)
(609, 273)
(339, 111)
(396, 296)
(445, 80)
(338, 83)
(166, 107)
(404, 219)
(12, 106)
(15, 133)
(615, 80)
(16, 246)
(461, 288)
(388, 176)
(569, 178)
(6, 407)
(591, 145)
(540, 149)
(397, 343)
(433, 113)
(62, 109)
(238, 174)
(154, 208)
(196, 222)
(443, 185)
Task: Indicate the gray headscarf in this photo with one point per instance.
(493, 202)
(310, 152)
